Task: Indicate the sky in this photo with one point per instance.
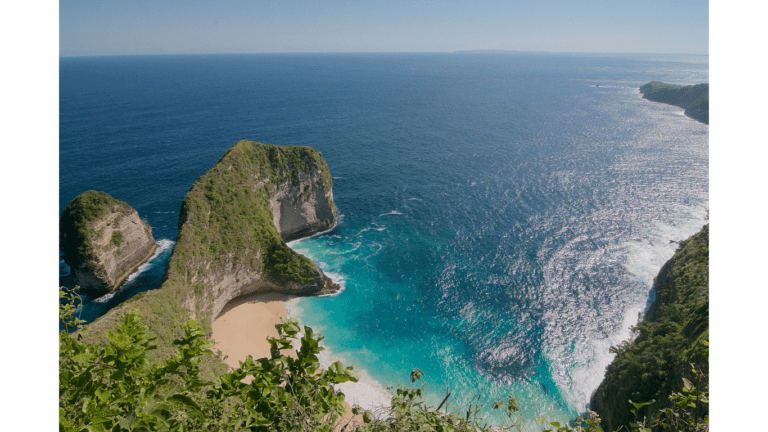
(129, 27)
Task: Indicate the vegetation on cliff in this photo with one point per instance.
(673, 335)
(693, 98)
(225, 229)
(103, 240)
(75, 226)
(225, 216)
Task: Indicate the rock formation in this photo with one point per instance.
(103, 241)
(234, 222)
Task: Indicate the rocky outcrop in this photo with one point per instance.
(103, 241)
(234, 222)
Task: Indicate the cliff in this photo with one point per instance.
(233, 225)
(235, 220)
(693, 98)
(668, 339)
(103, 241)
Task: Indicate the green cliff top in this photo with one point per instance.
(75, 226)
(225, 216)
(226, 226)
(670, 337)
(693, 98)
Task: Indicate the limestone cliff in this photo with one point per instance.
(234, 222)
(103, 241)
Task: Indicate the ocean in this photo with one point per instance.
(501, 216)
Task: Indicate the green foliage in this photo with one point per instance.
(117, 237)
(284, 265)
(286, 393)
(117, 388)
(688, 409)
(667, 341)
(694, 98)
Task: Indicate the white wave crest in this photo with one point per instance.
(337, 278)
(366, 392)
(393, 212)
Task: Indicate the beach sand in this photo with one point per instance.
(243, 326)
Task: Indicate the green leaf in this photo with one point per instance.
(687, 386)
(184, 401)
(416, 374)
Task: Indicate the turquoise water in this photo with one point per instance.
(501, 215)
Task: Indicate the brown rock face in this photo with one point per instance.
(104, 240)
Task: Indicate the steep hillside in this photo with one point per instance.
(668, 339)
(693, 98)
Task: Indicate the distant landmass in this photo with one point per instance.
(488, 51)
(693, 98)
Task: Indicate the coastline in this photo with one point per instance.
(243, 327)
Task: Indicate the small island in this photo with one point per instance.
(103, 241)
(693, 98)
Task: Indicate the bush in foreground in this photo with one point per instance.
(117, 387)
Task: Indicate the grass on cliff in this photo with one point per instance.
(76, 221)
(693, 98)
(225, 216)
(675, 330)
(224, 221)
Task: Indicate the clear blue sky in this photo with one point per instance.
(108, 27)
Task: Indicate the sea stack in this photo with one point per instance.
(103, 241)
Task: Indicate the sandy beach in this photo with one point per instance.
(244, 325)
(243, 328)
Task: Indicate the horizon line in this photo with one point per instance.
(478, 51)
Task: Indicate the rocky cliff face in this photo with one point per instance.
(234, 222)
(104, 240)
(300, 210)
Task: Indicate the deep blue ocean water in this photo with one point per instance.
(502, 216)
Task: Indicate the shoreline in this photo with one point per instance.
(242, 328)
